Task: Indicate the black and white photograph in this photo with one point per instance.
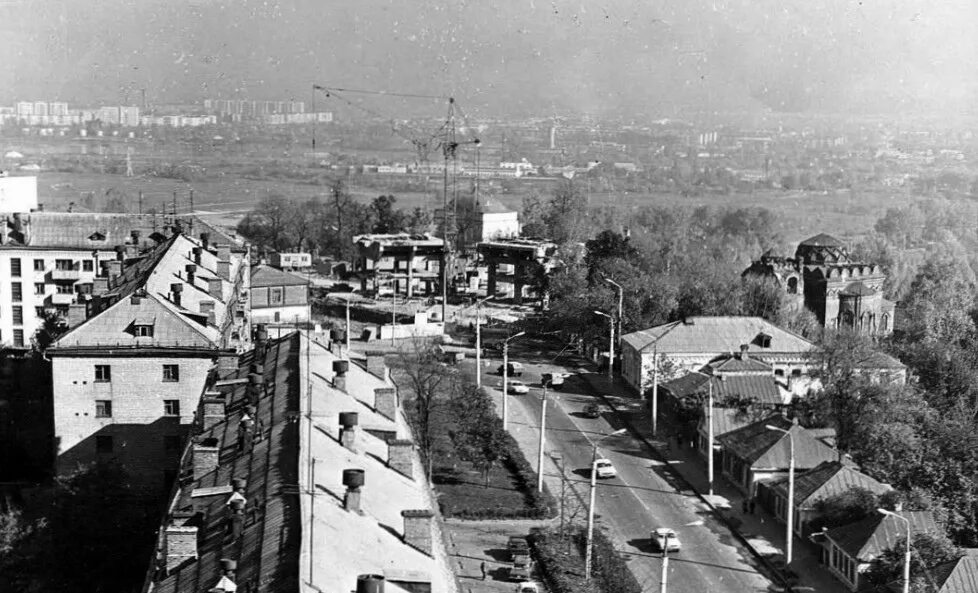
(488, 296)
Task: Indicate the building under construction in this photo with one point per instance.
(402, 263)
(517, 262)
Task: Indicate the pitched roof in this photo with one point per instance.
(263, 275)
(762, 388)
(724, 420)
(880, 360)
(828, 479)
(494, 206)
(720, 335)
(956, 576)
(268, 551)
(740, 364)
(822, 240)
(870, 537)
(764, 448)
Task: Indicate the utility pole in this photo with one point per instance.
(448, 150)
(655, 390)
(478, 340)
(140, 201)
(543, 438)
(348, 328)
(506, 378)
(709, 437)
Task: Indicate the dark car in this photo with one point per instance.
(514, 369)
(592, 410)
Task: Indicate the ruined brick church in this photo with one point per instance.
(840, 292)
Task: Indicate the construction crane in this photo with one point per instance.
(444, 138)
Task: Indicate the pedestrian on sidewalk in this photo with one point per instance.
(482, 567)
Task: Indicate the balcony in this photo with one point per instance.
(60, 298)
(65, 275)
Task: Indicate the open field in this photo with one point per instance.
(226, 197)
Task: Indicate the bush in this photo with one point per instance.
(564, 573)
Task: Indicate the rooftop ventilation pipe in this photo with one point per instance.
(353, 480)
(348, 429)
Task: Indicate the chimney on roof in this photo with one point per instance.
(385, 402)
(191, 272)
(255, 387)
(224, 253)
(370, 583)
(215, 287)
(339, 378)
(376, 365)
(100, 285)
(348, 430)
(213, 409)
(224, 269)
(180, 544)
(742, 355)
(417, 529)
(353, 480)
(77, 313)
(207, 308)
(175, 289)
(196, 251)
(236, 518)
(120, 252)
(246, 434)
(205, 239)
(228, 567)
(206, 457)
(134, 236)
(115, 270)
(400, 456)
(227, 362)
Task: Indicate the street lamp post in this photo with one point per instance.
(611, 345)
(621, 305)
(906, 557)
(664, 578)
(791, 493)
(478, 340)
(506, 378)
(394, 314)
(590, 506)
(543, 431)
(709, 436)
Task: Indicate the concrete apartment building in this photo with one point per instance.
(50, 261)
(128, 376)
(245, 515)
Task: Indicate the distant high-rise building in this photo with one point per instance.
(40, 108)
(24, 108)
(109, 115)
(129, 116)
(57, 108)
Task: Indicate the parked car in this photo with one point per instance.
(663, 537)
(517, 546)
(515, 369)
(592, 410)
(603, 468)
(522, 569)
(528, 587)
(518, 387)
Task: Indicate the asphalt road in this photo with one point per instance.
(640, 499)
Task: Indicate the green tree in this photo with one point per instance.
(387, 218)
(844, 508)
(927, 551)
(479, 437)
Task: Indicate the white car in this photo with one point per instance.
(528, 587)
(518, 387)
(665, 540)
(604, 469)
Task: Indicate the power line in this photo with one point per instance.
(385, 93)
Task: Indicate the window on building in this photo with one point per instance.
(172, 443)
(39, 312)
(171, 407)
(795, 372)
(18, 315)
(63, 264)
(171, 372)
(64, 288)
(103, 373)
(38, 288)
(779, 372)
(103, 444)
(88, 265)
(38, 265)
(275, 296)
(84, 287)
(16, 292)
(15, 267)
(144, 331)
(18, 337)
(103, 408)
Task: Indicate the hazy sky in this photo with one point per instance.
(644, 57)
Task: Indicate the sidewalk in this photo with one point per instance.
(761, 530)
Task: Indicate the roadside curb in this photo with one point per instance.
(769, 570)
